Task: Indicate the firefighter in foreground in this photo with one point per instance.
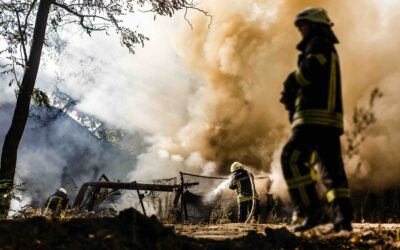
(312, 96)
(57, 202)
(243, 182)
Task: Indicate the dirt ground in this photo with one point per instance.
(364, 235)
(132, 230)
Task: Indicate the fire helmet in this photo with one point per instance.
(62, 190)
(315, 15)
(236, 166)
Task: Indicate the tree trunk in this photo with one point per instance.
(14, 135)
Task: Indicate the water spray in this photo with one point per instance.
(213, 193)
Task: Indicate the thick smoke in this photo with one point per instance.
(241, 60)
(50, 145)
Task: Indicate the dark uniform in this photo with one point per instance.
(56, 203)
(240, 181)
(312, 95)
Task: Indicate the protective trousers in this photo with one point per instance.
(244, 209)
(297, 159)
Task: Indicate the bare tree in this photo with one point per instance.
(24, 25)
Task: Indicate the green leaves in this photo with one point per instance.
(40, 98)
(7, 193)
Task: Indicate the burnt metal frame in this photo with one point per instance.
(97, 185)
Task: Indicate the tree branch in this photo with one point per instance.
(15, 72)
(164, 10)
(22, 36)
(82, 17)
(29, 12)
(200, 10)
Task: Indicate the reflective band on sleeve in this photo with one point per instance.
(332, 84)
(300, 79)
(335, 193)
(320, 57)
(49, 202)
(243, 178)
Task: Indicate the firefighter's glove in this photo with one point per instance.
(289, 94)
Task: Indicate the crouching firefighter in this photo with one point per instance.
(57, 202)
(248, 200)
(312, 96)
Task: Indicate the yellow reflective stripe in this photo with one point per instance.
(296, 173)
(305, 179)
(313, 159)
(298, 100)
(317, 121)
(320, 57)
(332, 84)
(319, 112)
(49, 202)
(241, 197)
(317, 116)
(320, 118)
(58, 207)
(313, 174)
(300, 181)
(332, 194)
(293, 166)
(300, 79)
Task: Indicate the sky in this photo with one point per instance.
(207, 94)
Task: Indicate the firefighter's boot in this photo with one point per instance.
(313, 219)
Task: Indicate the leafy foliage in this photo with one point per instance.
(17, 19)
(8, 192)
(16, 29)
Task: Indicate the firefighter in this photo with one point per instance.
(241, 182)
(57, 202)
(313, 99)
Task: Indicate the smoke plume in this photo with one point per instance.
(241, 57)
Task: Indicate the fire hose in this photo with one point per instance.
(254, 198)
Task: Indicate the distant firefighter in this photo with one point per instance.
(241, 181)
(57, 202)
